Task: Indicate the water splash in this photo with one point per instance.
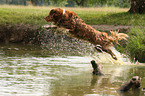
(61, 44)
(122, 59)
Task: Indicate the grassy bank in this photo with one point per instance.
(136, 44)
(135, 47)
(92, 16)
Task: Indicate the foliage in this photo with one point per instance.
(16, 2)
(136, 44)
(94, 3)
(70, 3)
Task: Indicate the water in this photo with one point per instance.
(35, 71)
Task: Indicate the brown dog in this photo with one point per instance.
(133, 83)
(79, 29)
(96, 68)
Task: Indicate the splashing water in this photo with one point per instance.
(122, 59)
(60, 42)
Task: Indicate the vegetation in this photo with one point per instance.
(136, 6)
(135, 47)
(136, 44)
(69, 3)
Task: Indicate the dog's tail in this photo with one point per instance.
(115, 36)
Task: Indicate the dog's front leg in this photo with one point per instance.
(99, 48)
(107, 50)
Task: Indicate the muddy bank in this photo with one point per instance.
(31, 34)
(25, 34)
(107, 28)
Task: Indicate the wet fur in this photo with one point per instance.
(79, 29)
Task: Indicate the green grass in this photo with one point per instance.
(136, 44)
(92, 16)
(22, 15)
(135, 47)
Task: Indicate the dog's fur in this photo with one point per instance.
(79, 29)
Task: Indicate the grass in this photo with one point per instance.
(92, 16)
(22, 15)
(135, 47)
(136, 44)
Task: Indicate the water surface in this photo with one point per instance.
(34, 71)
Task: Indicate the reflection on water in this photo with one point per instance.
(32, 71)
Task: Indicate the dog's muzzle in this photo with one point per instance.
(48, 18)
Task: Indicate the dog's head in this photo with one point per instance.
(60, 14)
(136, 80)
(55, 15)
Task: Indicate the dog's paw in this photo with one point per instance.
(99, 48)
(114, 57)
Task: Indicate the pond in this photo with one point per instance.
(34, 71)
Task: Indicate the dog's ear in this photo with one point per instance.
(72, 15)
(52, 12)
(55, 12)
(58, 9)
(67, 14)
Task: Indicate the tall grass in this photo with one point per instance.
(136, 44)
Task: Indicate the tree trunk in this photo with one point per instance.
(25, 3)
(81, 3)
(36, 2)
(42, 2)
(12, 2)
(137, 6)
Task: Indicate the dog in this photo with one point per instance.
(79, 29)
(134, 83)
(96, 68)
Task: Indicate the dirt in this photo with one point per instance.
(25, 34)
(28, 34)
(108, 28)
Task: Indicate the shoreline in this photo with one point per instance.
(27, 34)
